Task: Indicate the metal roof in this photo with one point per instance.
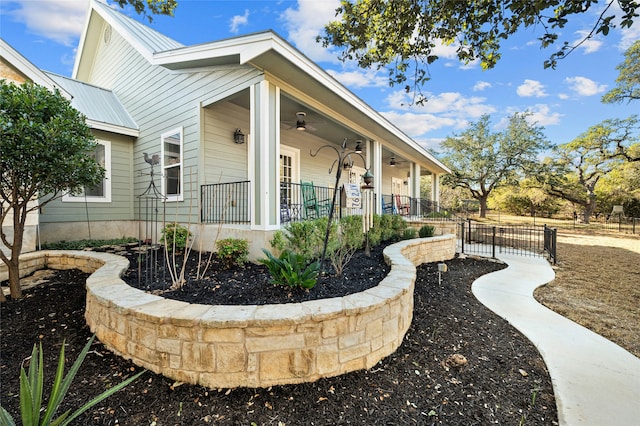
(101, 107)
(150, 39)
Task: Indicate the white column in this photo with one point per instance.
(435, 189)
(376, 166)
(264, 155)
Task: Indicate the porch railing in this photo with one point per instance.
(489, 240)
(226, 203)
(229, 203)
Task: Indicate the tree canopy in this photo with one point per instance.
(45, 152)
(628, 81)
(403, 34)
(153, 7)
(577, 167)
(482, 161)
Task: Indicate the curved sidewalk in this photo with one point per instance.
(595, 381)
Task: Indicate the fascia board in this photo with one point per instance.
(112, 128)
(32, 72)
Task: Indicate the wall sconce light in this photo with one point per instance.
(238, 136)
(358, 146)
(392, 163)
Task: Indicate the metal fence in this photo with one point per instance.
(225, 203)
(490, 240)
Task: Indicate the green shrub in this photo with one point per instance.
(386, 227)
(175, 236)
(344, 240)
(408, 234)
(305, 238)
(291, 269)
(82, 244)
(233, 252)
(31, 386)
(375, 233)
(426, 231)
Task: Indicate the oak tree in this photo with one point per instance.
(403, 35)
(482, 160)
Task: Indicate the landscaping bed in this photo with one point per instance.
(504, 380)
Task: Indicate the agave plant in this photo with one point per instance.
(31, 387)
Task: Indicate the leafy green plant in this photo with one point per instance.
(426, 231)
(345, 239)
(233, 252)
(175, 236)
(408, 234)
(291, 269)
(31, 387)
(305, 238)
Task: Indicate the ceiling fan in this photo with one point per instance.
(300, 123)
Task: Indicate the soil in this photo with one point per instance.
(459, 364)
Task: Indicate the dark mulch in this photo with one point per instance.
(504, 381)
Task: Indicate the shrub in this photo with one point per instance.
(345, 239)
(291, 269)
(408, 234)
(305, 238)
(233, 252)
(375, 233)
(82, 244)
(31, 385)
(175, 236)
(426, 231)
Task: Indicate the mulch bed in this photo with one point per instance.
(425, 382)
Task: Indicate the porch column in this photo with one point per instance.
(415, 181)
(435, 189)
(264, 153)
(376, 168)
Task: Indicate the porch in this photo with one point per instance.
(230, 203)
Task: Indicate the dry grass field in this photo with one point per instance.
(597, 284)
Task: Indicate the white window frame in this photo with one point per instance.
(106, 198)
(180, 195)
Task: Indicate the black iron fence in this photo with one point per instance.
(490, 240)
(229, 203)
(225, 203)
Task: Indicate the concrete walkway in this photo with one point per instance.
(595, 381)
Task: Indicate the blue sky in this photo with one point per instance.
(565, 101)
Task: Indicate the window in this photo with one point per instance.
(100, 193)
(172, 165)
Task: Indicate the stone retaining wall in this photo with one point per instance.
(256, 346)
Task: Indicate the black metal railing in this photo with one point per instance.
(229, 203)
(490, 240)
(225, 203)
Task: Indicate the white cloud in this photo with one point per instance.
(531, 88)
(306, 22)
(542, 115)
(481, 85)
(239, 20)
(360, 78)
(60, 21)
(583, 86)
(563, 96)
(629, 35)
(430, 143)
(449, 109)
(417, 124)
(590, 45)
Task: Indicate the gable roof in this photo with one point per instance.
(265, 51)
(101, 106)
(28, 69)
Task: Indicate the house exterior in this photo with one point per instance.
(190, 106)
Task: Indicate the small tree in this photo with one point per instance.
(628, 81)
(45, 152)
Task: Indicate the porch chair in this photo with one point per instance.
(387, 208)
(403, 209)
(313, 208)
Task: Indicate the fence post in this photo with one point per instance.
(462, 235)
(469, 240)
(493, 242)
